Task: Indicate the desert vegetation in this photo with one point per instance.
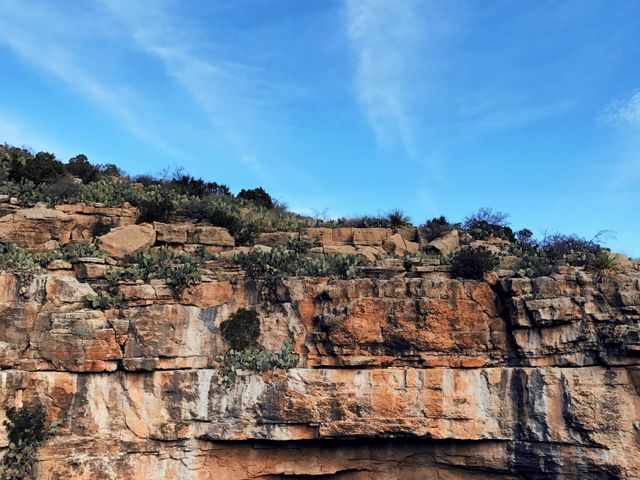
(41, 177)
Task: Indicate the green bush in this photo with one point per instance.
(104, 300)
(603, 264)
(41, 168)
(80, 167)
(26, 432)
(196, 187)
(255, 359)
(179, 270)
(397, 218)
(570, 249)
(487, 223)
(269, 267)
(257, 196)
(472, 263)
(26, 191)
(101, 227)
(111, 192)
(394, 219)
(435, 228)
(14, 258)
(219, 211)
(158, 204)
(242, 329)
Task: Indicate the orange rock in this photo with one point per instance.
(208, 294)
(123, 241)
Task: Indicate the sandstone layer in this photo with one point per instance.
(403, 373)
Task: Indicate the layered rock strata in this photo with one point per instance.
(403, 373)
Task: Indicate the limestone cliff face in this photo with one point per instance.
(403, 373)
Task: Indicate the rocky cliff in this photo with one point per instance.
(403, 372)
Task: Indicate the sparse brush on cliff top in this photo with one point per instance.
(473, 263)
(180, 270)
(294, 260)
(487, 223)
(14, 258)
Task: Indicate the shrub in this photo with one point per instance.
(15, 259)
(603, 264)
(41, 168)
(487, 223)
(257, 196)
(158, 204)
(63, 190)
(435, 228)
(79, 166)
(255, 359)
(101, 227)
(26, 191)
(571, 249)
(397, 218)
(73, 251)
(104, 301)
(179, 270)
(242, 329)
(269, 267)
(111, 192)
(196, 187)
(218, 211)
(473, 263)
(26, 431)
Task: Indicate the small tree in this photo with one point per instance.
(26, 431)
(242, 329)
(257, 196)
(473, 263)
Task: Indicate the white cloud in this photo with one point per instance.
(624, 112)
(53, 43)
(233, 93)
(385, 36)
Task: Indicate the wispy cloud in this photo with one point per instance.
(51, 42)
(625, 111)
(385, 37)
(232, 92)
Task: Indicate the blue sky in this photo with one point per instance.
(347, 107)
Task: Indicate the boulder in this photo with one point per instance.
(370, 236)
(446, 244)
(396, 245)
(214, 236)
(37, 228)
(274, 239)
(66, 289)
(172, 232)
(123, 241)
(329, 236)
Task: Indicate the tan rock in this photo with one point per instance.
(371, 254)
(328, 236)
(171, 232)
(208, 294)
(215, 236)
(446, 244)
(123, 241)
(37, 228)
(65, 289)
(339, 250)
(133, 293)
(275, 239)
(396, 245)
(370, 236)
